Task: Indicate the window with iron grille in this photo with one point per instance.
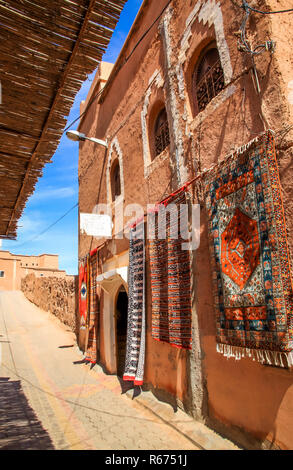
(162, 138)
(208, 79)
(2, 273)
(115, 180)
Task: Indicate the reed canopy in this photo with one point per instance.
(47, 50)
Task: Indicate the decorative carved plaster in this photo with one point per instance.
(114, 146)
(181, 169)
(211, 13)
(208, 13)
(157, 81)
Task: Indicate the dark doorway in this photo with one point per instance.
(121, 329)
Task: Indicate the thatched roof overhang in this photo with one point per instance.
(47, 50)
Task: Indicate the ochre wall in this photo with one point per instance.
(11, 279)
(250, 402)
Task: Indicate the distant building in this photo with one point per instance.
(15, 267)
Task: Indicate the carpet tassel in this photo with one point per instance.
(274, 358)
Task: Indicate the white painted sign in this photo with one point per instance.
(96, 225)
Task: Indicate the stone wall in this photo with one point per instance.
(54, 295)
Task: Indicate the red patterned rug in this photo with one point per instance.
(83, 293)
(249, 255)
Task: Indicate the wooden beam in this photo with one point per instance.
(52, 109)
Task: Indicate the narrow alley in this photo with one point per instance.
(51, 400)
(146, 226)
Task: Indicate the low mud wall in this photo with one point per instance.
(54, 295)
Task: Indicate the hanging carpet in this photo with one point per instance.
(135, 344)
(249, 254)
(91, 351)
(170, 279)
(83, 293)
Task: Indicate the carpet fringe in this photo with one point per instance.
(275, 358)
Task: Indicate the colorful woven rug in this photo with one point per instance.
(249, 254)
(135, 345)
(83, 293)
(170, 281)
(91, 351)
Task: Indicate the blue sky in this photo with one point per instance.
(57, 191)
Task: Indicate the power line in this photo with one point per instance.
(121, 66)
(86, 109)
(48, 228)
(260, 48)
(265, 12)
(146, 32)
(244, 6)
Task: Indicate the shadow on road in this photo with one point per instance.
(20, 428)
(125, 386)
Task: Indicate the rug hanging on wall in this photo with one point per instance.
(91, 350)
(170, 280)
(249, 253)
(135, 344)
(83, 293)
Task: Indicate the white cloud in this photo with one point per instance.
(53, 193)
(29, 225)
(61, 239)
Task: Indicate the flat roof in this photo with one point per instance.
(27, 256)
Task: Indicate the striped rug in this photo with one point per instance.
(91, 352)
(135, 346)
(170, 281)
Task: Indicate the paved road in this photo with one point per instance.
(49, 400)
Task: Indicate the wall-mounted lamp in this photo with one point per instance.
(79, 136)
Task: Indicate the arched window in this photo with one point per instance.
(208, 78)
(162, 138)
(115, 180)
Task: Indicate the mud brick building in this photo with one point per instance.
(177, 101)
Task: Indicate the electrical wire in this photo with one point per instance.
(122, 65)
(146, 32)
(86, 109)
(268, 12)
(260, 48)
(256, 51)
(48, 228)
